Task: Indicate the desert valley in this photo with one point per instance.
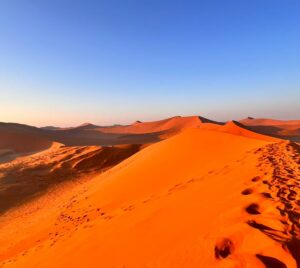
(179, 192)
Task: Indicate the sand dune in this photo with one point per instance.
(89, 134)
(289, 129)
(14, 135)
(199, 199)
(22, 138)
(237, 128)
(138, 132)
(173, 124)
(268, 122)
(206, 195)
(28, 177)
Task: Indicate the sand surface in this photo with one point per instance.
(209, 196)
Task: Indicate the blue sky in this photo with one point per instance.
(67, 62)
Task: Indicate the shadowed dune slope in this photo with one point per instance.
(16, 139)
(199, 199)
(289, 129)
(22, 138)
(30, 176)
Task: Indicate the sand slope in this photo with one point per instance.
(199, 199)
(237, 128)
(16, 139)
(28, 177)
(289, 129)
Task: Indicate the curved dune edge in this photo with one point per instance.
(199, 199)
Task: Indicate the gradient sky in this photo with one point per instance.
(68, 62)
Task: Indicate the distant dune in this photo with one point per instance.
(16, 139)
(22, 138)
(237, 128)
(289, 129)
(89, 134)
(268, 122)
(198, 193)
(173, 124)
(138, 132)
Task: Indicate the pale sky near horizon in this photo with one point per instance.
(67, 62)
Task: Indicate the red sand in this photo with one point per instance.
(226, 197)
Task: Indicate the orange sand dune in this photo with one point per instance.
(136, 133)
(239, 129)
(289, 129)
(236, 128)
(17, 138)
(174, 124)
(199, 199)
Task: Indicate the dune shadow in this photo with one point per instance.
(270, 262)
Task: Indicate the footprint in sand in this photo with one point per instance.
(252, 209)
(256, 178)
(247, 191)
(266, 195)
(223, 248)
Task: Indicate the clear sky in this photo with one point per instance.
(68, 62)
